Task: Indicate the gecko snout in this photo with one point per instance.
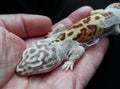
(23, 69)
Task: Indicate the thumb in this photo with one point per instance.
(24, 25)
(11, 48)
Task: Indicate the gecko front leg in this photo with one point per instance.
(76, 52)
(73, 50)
(74, 56)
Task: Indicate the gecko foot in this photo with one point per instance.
(68, 65)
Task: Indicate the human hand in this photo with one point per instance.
(12, 48)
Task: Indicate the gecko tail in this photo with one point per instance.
(115, 8)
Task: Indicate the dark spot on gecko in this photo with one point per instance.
(56, 40)
(62, 36)
(26, 52)
(32, 51)
(35, 56)
(52, 42)
(24, 70)
(105, 14)
(51, 59)
(97, 17)
(80, 25)
(26, 57)
(83, 29)
(80, 35)
(19, 72)
(110, 13)
(85, 33)
(77, 25)
(89, 34)
(42, 45)
(86, 20)
(40, 67)
(83, 38)
(29, 68)
(49, 65)
(86, 40)
(70, 33)
(93, 28)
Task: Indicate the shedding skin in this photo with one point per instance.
(68, 45)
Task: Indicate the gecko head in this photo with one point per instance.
(36, 61)
(114, 7)
(29, 61)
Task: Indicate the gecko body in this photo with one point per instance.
(68, 45)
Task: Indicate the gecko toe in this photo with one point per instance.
(68, 65)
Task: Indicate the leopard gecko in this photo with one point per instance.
(68, 45)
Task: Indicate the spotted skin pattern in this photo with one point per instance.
(86, 29)
(68, 45)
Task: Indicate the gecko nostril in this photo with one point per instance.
(19, 72)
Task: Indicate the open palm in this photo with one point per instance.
(18, 32)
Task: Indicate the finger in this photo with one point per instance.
(11, 48)
(75, 16)
(24, 25)
(90, 61)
